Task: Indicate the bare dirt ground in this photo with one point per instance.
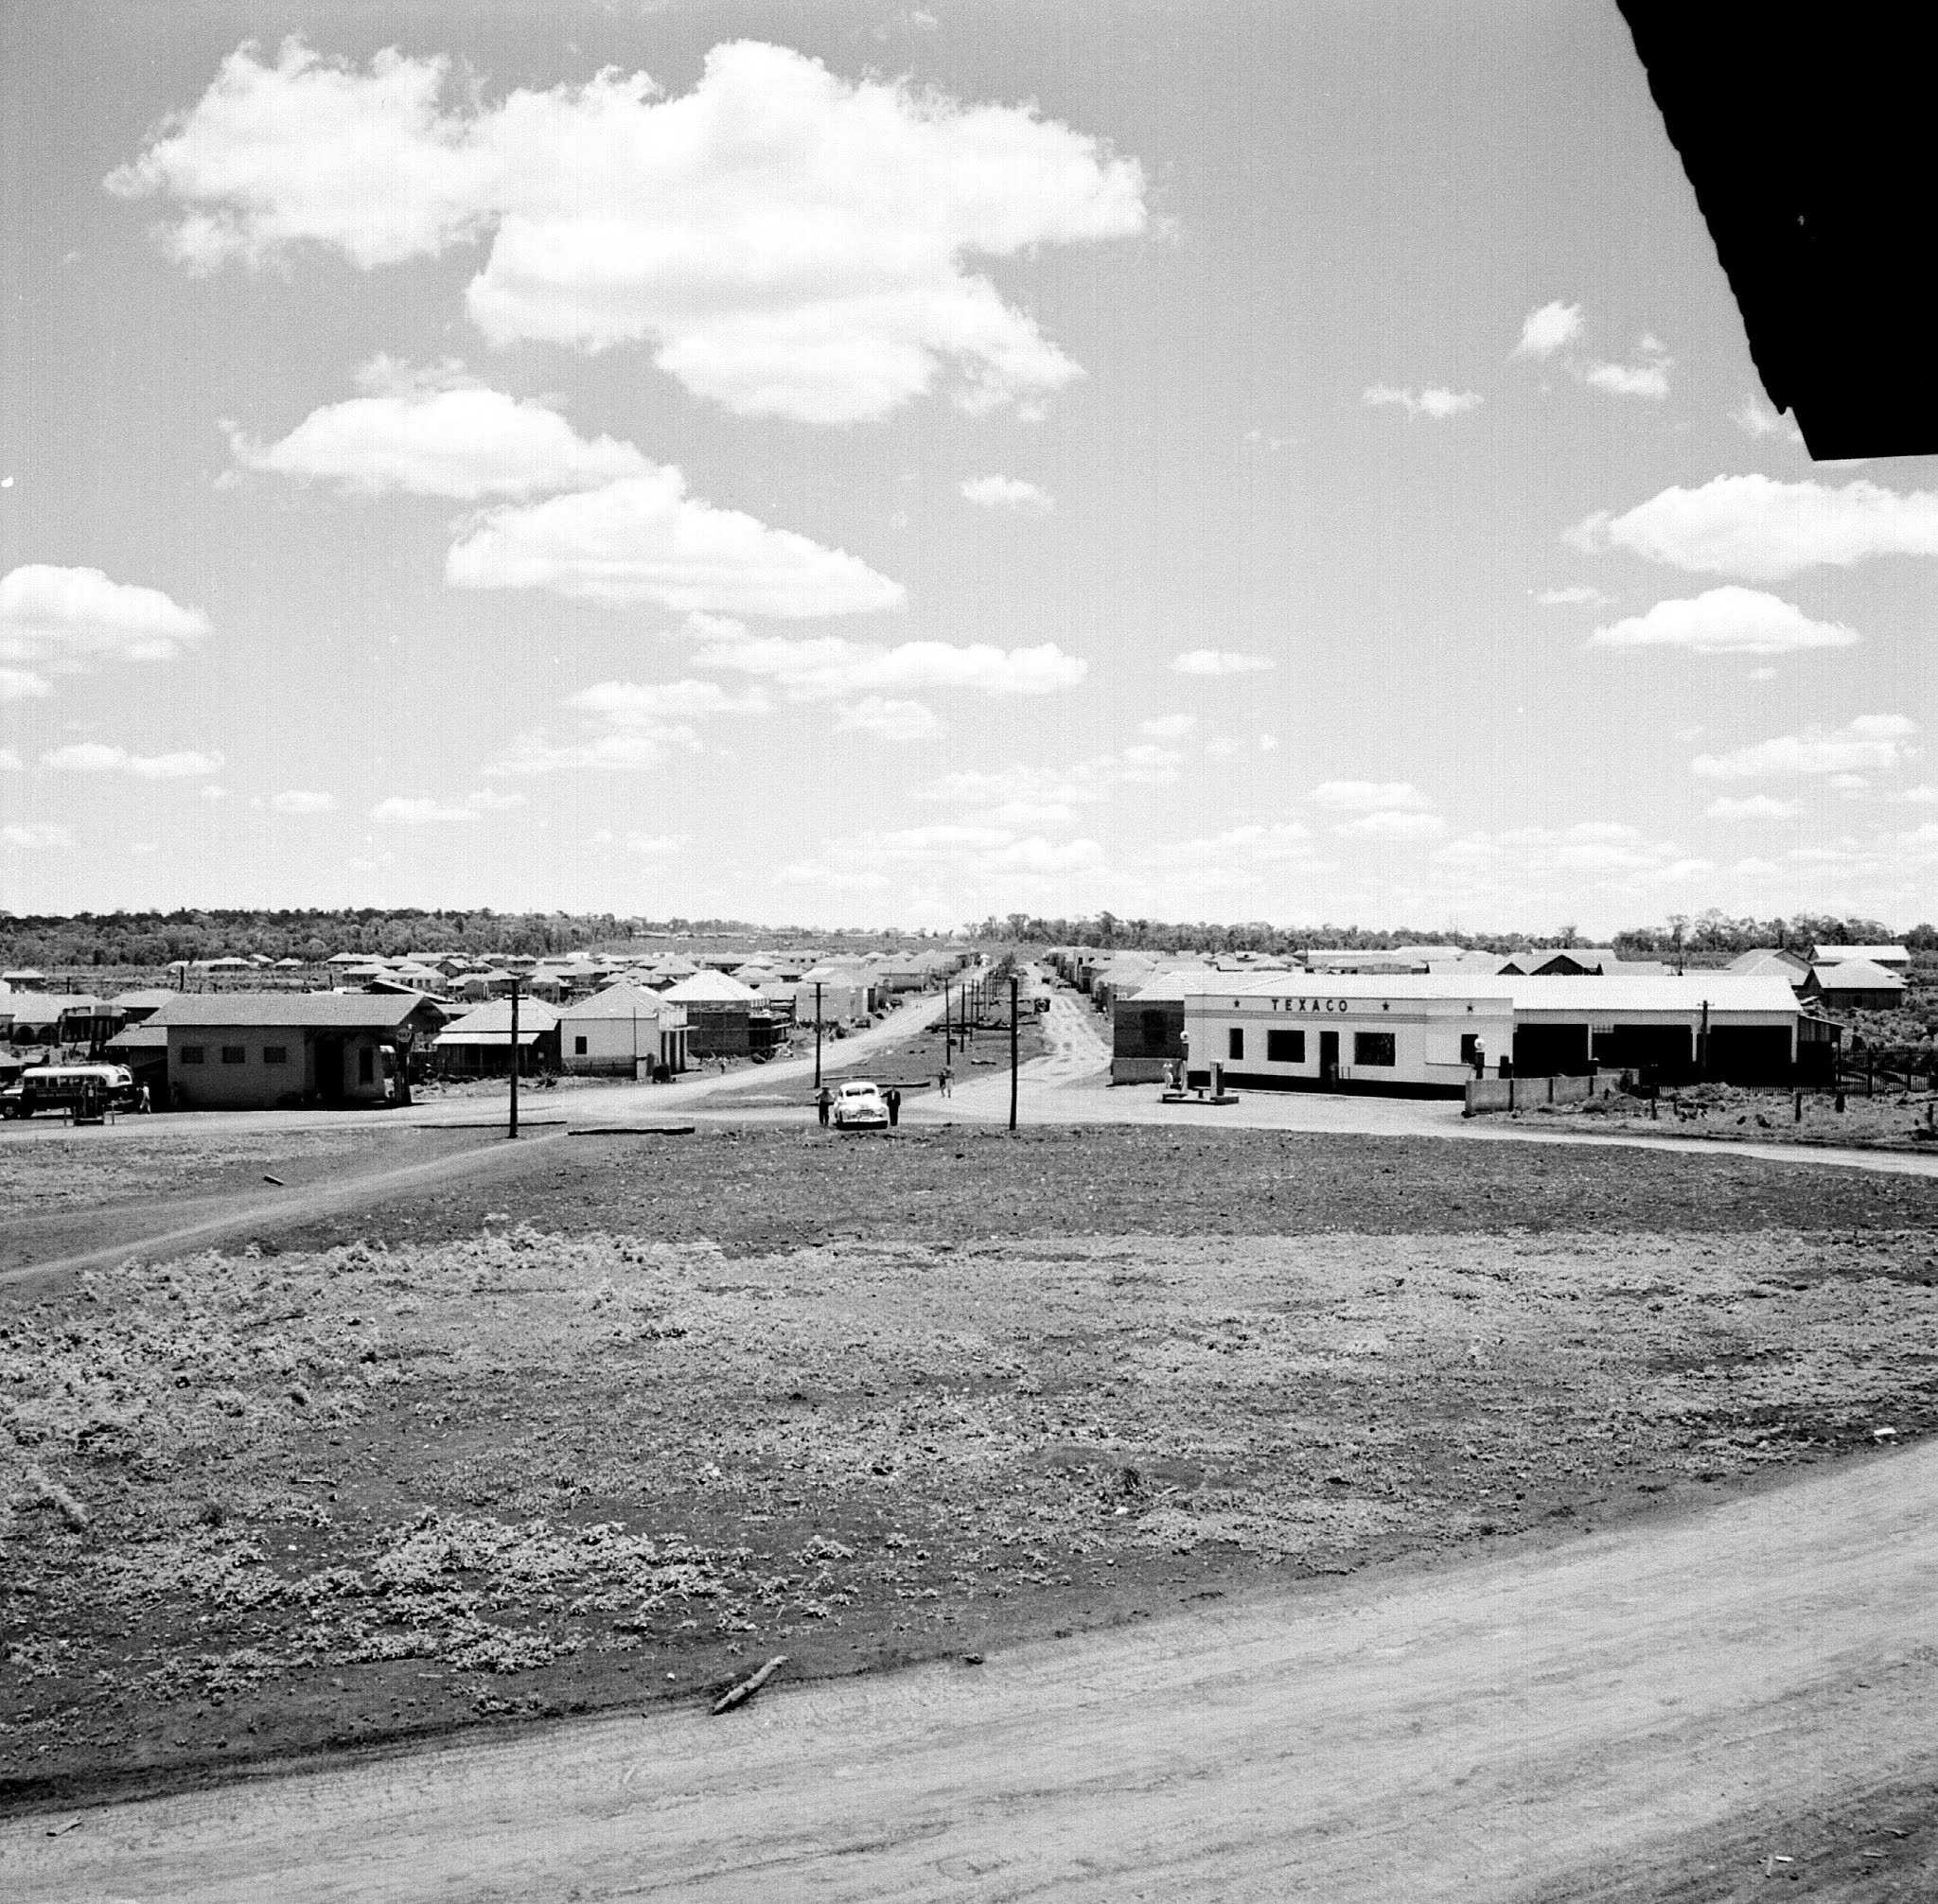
(76, 1199)
(1653, 1713)
(510, 1446)
(1900, 1120)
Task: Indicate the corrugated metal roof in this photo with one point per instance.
(616, 1001)
(1843, 955)
(1767, 963)
(1856, 974)
(1190, 981)
(299, 1011)
(534, 1015)
(710, 988)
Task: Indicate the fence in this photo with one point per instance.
(1524, 1094)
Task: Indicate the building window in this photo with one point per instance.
(235, 1055)
(1285, 1047)
(1236, 1048)
(1373, 1048)
(192, 1054)
(578, 1048)
(276, 1054)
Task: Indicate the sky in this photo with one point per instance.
(858, 464)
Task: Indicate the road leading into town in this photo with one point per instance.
(1605, 1720)
(1077, 1056)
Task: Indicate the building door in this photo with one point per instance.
(1328, 1057)
(329, 1070)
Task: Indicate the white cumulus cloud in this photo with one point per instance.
(1435, 402)
(35, 837)
(627, 725)
(1625, 380)
(1754, 418)
(1369, 796)
(1752, 806)
(1726, 621)
(1393, 823)
(830, 667)
(1169, 727)
(465, 444)
(92, 756)
(889, 719)
(1008, 492)
(1870, 744)
(1216, 662)
(71, 618)
(1547, 330)
(20, 685)
(637, 704)
(1766, 530)
(644, 539)
(784, 241)
(419, 810)
(1022, 797)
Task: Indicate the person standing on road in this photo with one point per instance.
(822, 1102)
(894, 1100)
(947, 1081)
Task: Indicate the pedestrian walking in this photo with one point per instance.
(822, 1102)
(894, 1104)
(948, 1083)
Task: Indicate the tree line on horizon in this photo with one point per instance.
(154, 939)
(1683, 934)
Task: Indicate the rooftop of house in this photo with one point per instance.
(296, 1011)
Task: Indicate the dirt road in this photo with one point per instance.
(1664, 1711)
(1077, 1054)
(66, 1243)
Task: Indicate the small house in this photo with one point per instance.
(725, 1019)
(623, 1031)
(1853, 985)
(1893, 957)
(479, 1043)
(260, 1051)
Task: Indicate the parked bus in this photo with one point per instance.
(70, 1089)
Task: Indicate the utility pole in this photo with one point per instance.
(948, 1025)
(818, 1035)
(1013, 1050)
(514, 1131)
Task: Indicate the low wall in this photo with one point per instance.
(1524, 1094)
(1137, 1070)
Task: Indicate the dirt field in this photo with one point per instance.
(1888, 1120)
(609, 1428)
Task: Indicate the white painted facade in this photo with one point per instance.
(1348, 1032)
(1415, 1032)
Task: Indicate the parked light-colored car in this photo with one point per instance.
(859, 1107)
